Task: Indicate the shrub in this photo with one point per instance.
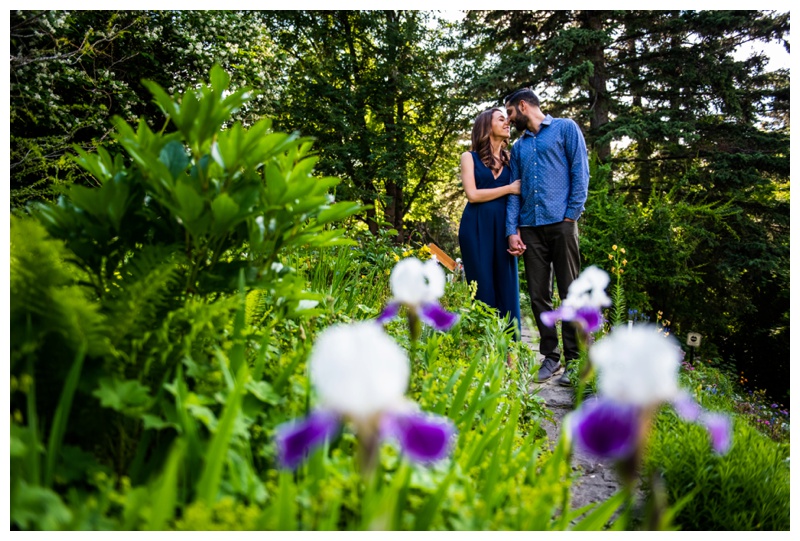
(747, 489)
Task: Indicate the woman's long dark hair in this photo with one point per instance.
(481, 143)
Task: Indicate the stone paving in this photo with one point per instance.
(596, 478)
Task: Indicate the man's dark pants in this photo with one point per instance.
(551, 248)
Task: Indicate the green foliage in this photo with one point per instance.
(125, 317)
(378, 90)
(72, 71)
(747, 489)
(696, 156)
(164, 304)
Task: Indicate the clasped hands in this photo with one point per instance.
(515, 244)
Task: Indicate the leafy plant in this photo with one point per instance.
(747, 489)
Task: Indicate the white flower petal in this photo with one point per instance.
(637, 365)
(358, 370)
(414, 282)
(588, 289)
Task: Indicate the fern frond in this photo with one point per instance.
(145, 288)
(45, 297)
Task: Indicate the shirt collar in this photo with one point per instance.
(545, 122)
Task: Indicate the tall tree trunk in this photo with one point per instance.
(598, 91)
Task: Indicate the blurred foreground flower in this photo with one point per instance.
(361, 375)
(586, 297)
(418, 286)
(637, 372)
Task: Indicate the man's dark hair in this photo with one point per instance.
(523, 94)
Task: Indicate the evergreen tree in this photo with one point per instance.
(685, 122)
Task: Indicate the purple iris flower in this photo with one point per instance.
(686, 408)
(589, 318)
(295, 439)
(605, 428)
(585, 299)
(423, 438)
(418, 286)
(360, 376)
(719, 429)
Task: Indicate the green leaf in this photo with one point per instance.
(128, 396)
(157, 423)
(263, 391)
(190, 202)
(165, 492)
(225, 211)
(601, 514)
(38, 508)
(215, 460)
(62, 415)
(173, 155)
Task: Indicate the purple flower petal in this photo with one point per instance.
(296, 438)
(605, 428)
(389, 313)
(590, 318)
(719, 428)
(686, 408)
(424, 438)
(437, 317)
(550, 318)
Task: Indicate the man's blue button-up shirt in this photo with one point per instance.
(554, 168)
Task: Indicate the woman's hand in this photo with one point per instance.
(515, 187)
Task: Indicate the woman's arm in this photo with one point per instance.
(475, 195)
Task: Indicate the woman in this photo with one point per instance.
(486, 177)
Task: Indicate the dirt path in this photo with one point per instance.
(596, 478)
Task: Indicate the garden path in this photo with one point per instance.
(596, 480)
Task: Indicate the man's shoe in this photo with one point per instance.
(565, 378)
(547, 370)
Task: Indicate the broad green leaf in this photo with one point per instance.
(190, 202)
(38, 508)
(173, 155)
(263, 391)
(126, 396)
(225, 211)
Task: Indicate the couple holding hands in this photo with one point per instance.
(525, 202)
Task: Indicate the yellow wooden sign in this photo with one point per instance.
(442, 257)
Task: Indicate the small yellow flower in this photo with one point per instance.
(622, 250)
(621, 271)
(613, 269)
(624, 261)
(610, 257)
(614, 247)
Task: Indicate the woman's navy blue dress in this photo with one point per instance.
(482, 239)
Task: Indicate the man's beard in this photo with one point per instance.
(520, 122)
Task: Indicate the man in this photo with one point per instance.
(541, 223)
